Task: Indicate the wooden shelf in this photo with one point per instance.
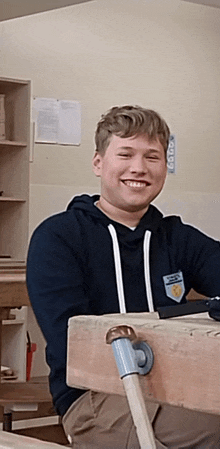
(9, 264)
(9, 278)
(8, 199)
(13, 322)
(12, 143)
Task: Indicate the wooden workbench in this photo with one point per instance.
(186, 370)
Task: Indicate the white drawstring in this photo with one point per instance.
(147, 270)
(118, 270)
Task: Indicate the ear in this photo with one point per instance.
(97, 164)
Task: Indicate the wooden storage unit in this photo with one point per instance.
(14, 345)
(14, 171)
(14, 209)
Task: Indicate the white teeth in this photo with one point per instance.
(135, 183)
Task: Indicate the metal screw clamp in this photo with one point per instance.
(131, 356)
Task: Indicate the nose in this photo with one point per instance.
(138, 165)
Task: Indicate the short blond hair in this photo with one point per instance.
(127, 121)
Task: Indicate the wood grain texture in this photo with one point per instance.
(9, 440)
(186, 369)
(13, 289)
(139, 414)
(24, 393)
(13, 294)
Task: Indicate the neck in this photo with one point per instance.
(127, 218)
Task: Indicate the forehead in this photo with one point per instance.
(141, 142)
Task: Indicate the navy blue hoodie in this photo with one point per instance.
(81, 262)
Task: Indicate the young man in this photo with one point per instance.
(114, 253)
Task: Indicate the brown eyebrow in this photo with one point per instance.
(149, 150)
(153, 150)
(125, 148)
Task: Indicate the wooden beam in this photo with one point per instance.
(11, 441)
(186, 369)
(13, 294)
(13, 289)
(24, 393)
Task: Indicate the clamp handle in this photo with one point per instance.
(122, 331)
(132, 356)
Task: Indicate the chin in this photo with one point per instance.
(136, 207)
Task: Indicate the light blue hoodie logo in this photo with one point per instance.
(174, 286)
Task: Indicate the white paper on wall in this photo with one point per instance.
(57, 121)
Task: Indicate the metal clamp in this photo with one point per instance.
(144, 357)
(132, 356)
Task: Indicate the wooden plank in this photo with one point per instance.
(9, 440)
(24, 393)
(186, 369)
(12, 143)
(46, 432)
(12, 266)
(11, 200)
(13, 294)
(44, 410)
(13, 289)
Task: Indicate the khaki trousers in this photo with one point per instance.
(102, 421)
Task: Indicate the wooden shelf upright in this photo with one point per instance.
(14, 171)
(14, 210)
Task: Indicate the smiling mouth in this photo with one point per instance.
(135, 184)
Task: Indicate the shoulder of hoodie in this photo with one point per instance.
(176, 227)
(60, 223)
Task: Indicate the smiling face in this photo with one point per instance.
(133, 172)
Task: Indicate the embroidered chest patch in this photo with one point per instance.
(174, 286)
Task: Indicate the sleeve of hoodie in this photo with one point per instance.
(56, 290)
(201, 260)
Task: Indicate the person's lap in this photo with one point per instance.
(99, 420)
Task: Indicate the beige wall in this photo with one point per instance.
(161, 54)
